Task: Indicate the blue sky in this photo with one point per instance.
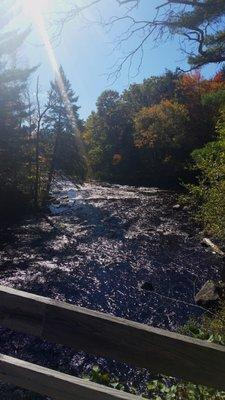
(86, 52)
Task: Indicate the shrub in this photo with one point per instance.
(208, 194)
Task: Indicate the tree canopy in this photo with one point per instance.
(146, 134)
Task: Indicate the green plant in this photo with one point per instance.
(103, 378)
(208, 194)
(211, 329)
(168, 389)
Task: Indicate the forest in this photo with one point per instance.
(167, 132)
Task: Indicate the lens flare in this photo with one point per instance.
(35, 9)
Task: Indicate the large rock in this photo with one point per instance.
(210, 294)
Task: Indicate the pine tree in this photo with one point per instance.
(15, 179)
(198, 23)
(201, 22)
(63, 127)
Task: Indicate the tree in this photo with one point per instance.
(214, 98)
(16, 186)
(208, 193)
(63, 127)
(199, 23)
(151, 91)
(39, 116)
(108, 137)
(162, 129)
(192, 89)
(162, 126)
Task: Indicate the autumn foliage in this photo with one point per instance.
(162, 126)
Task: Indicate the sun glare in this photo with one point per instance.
(34, 10)
(31, 7)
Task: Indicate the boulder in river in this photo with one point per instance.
(210, 294)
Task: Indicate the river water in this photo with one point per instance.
(95, 248)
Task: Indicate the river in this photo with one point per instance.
(95, 248)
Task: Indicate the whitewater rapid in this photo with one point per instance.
(95, 247)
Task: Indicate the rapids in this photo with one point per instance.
(95, 247)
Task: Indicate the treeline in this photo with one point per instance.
(36, 139)
(147, 134)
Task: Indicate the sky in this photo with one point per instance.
(86, 50)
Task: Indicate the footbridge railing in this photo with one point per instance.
(104, 335)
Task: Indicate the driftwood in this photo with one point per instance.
(207, 242)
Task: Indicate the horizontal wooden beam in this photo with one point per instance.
(55, 384)
(101, 334)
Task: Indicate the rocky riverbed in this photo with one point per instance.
(122, 250)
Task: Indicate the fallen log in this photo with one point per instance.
(207, 242)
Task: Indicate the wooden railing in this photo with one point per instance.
(100, 334)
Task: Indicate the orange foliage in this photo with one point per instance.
(193, 86)
(117, 158)
(161, 125)
(218, 77)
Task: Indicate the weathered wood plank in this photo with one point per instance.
(55, 384)
(104, 335)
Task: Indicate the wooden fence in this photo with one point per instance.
(100, 334)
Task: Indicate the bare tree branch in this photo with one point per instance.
(171, 17)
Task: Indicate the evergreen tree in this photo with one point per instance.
(198, 23)
(15, 178)
(151, 91)
(201, 22)
(63, 127)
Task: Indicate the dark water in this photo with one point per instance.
(95, 249)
